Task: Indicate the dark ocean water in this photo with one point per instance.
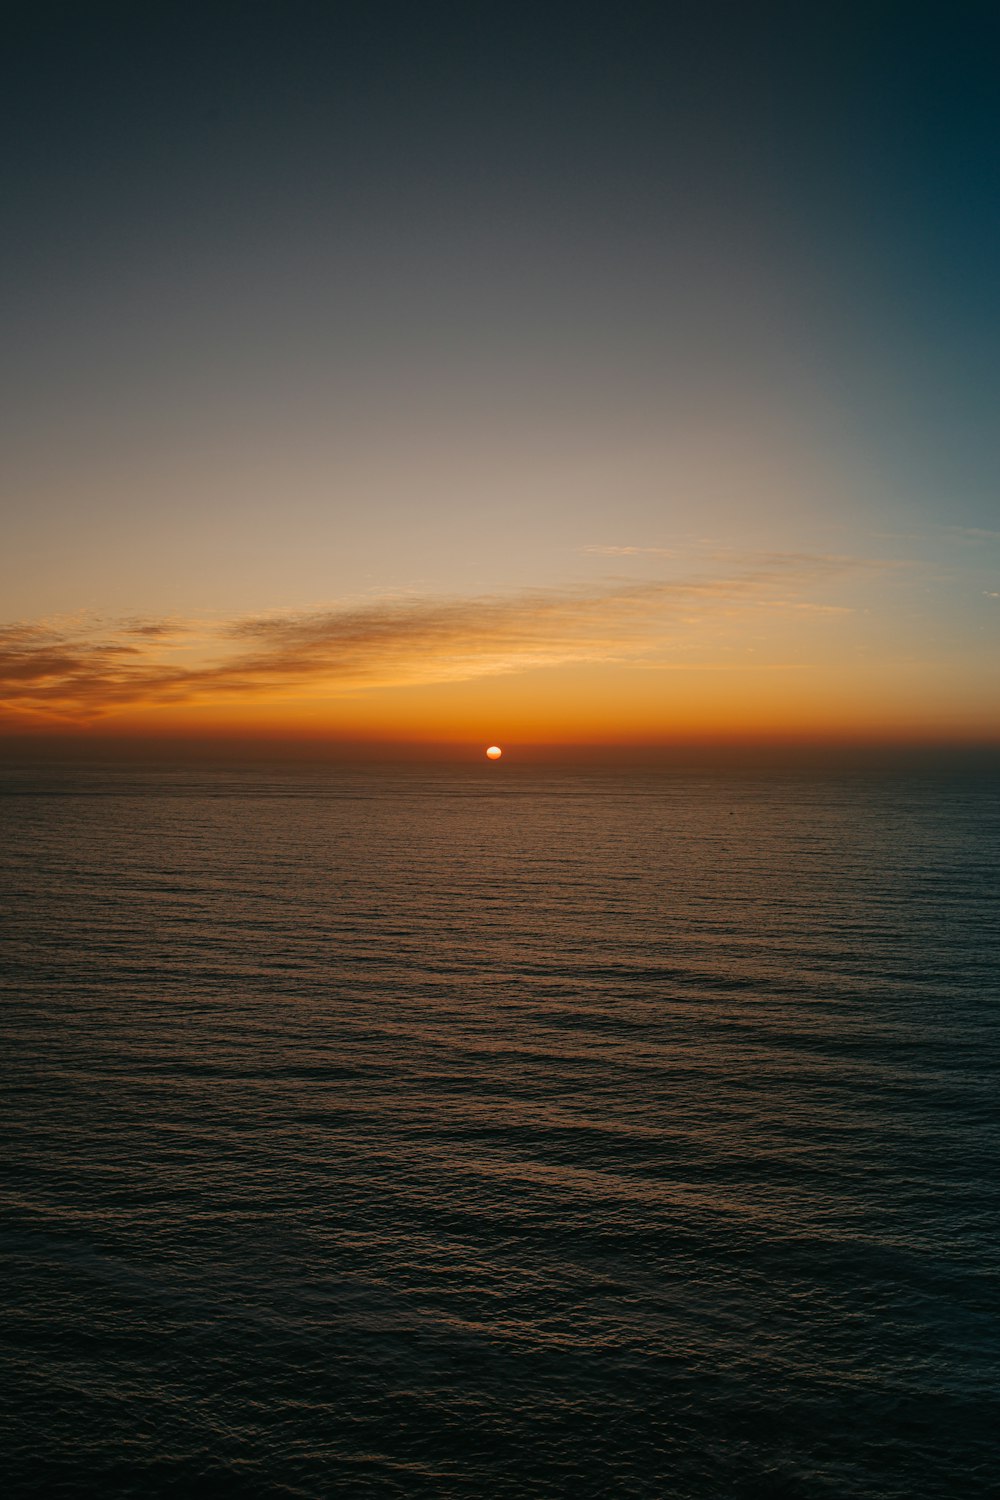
(498, 1132)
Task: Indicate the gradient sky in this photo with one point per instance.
(501, 372)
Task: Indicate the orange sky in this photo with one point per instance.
(777, 646)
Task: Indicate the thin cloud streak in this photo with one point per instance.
(79, 670)
(601, 551)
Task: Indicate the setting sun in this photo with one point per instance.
(494, 752)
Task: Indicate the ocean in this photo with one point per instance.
(500, 1131)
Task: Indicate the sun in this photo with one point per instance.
(494, 752)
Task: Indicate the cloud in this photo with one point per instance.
(600, 551)
(81, 669)
(159, 630)
(972, 533)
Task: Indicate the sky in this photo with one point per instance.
(459, 373)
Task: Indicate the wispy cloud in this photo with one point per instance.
(80, 669)
(606, 551)
(973, 533)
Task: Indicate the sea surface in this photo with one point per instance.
(498, 1131)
